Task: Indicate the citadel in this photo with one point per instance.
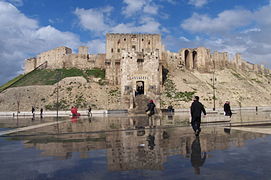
(137, 63)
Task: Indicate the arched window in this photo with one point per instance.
(186, 59)
(194, 56)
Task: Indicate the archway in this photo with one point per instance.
(139, 88)
(186, 59)
(194, 57)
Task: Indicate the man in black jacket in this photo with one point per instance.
(196, 109)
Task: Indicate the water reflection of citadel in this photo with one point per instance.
(125, 149)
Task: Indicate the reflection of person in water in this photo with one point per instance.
(196, 157)
(165, 135)
(74, 119)
(151, 143)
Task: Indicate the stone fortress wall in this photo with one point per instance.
(137, 61)
(117, 43)
(200, 58)
(62, 57)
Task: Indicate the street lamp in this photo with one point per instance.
(58, 77)
(213, 85)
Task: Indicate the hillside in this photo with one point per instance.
(81, 88)
(240, 88)
(88, 88)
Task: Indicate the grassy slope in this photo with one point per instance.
(50, 77)
(4, 86)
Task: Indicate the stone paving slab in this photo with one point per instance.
(30, 127)
(253, 129)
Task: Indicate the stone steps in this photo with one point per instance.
(141, 102)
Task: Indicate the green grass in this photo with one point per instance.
(114, 92)
(50, 77)
(256, 80)
(6, 85)
(237, 75)
(38, 77)
(172, 93)
(98, 73)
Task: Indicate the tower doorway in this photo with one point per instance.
(186, 59)
(139, 88)
(195, 59)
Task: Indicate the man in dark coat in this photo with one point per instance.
(227, 109)
(33, 110)
(196, 109)
(151, 108)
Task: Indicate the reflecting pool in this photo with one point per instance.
(132, 147)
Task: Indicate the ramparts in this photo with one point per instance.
(200, 59)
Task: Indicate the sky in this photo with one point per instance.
(29, 27)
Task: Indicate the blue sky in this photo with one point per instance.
(29, 27)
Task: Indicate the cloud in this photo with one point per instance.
(146, 25)
(224, 22)
(50, 37)
(16, 2)
(198, 3)
(133, 7)
(262, 16)
(96, 46)
(184, 39)
(22, 37)
(251, 30)
(150, 27)
(170, 1)
(234, 31)
(150, 9)
(97, 21)
(94, 19)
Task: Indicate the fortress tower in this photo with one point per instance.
(116, 43)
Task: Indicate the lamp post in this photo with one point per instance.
(213, 79)
(58, 77)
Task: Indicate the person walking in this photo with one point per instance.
(33, 111)
(151, 108)
(89, 111)
(227, 109)
(41, 112)
(196, 109)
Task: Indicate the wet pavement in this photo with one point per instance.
(128, 147)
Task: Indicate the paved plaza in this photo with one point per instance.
(134, 147)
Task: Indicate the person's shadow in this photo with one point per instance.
(197, 159)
